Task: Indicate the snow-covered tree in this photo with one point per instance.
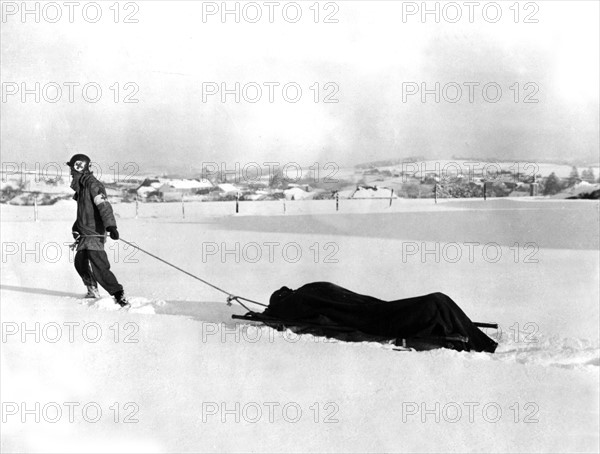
(552, 185)
(574, 176)
(588, 175)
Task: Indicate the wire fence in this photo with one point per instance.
(193, 210)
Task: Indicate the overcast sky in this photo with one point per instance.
(368, 55)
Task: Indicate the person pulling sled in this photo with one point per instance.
(94, 218)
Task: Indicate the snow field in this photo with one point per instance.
(195, 381)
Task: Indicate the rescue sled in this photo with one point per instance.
(454, 342)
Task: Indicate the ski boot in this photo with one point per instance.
(121, 300)
(92, 292)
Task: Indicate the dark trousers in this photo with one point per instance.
(94, 269)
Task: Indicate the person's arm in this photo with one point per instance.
(98, 194)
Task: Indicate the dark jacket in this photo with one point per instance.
(94, 212)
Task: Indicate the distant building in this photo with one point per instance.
(304, 187)
(227, 188)
(172, 189)
(298, 194)
(364, 192)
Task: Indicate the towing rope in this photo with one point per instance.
(230, 296)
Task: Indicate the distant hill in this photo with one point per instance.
(389, 162)
(397, 161)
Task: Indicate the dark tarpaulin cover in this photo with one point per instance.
(327, 304)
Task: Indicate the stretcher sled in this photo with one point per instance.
(454, 342)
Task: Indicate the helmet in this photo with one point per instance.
(79, 162)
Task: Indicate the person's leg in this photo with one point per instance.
(102, 273)
(82, 265)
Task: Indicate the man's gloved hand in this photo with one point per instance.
(114, 233)
(77, 238)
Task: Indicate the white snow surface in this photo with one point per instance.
(188, 378)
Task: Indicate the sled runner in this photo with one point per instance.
(454, 342)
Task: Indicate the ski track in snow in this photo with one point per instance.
(139, 304)
(553, 351)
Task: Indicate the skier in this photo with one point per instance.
(94, 218)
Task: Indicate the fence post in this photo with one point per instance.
(136, 207)
(484, 190)
(35, 208)
(533, 189)
(182, 206)
(337, 201)
(283, 206)
(391, 197)
(237, 202)
(435, 189)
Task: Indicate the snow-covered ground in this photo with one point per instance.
(176, 374)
